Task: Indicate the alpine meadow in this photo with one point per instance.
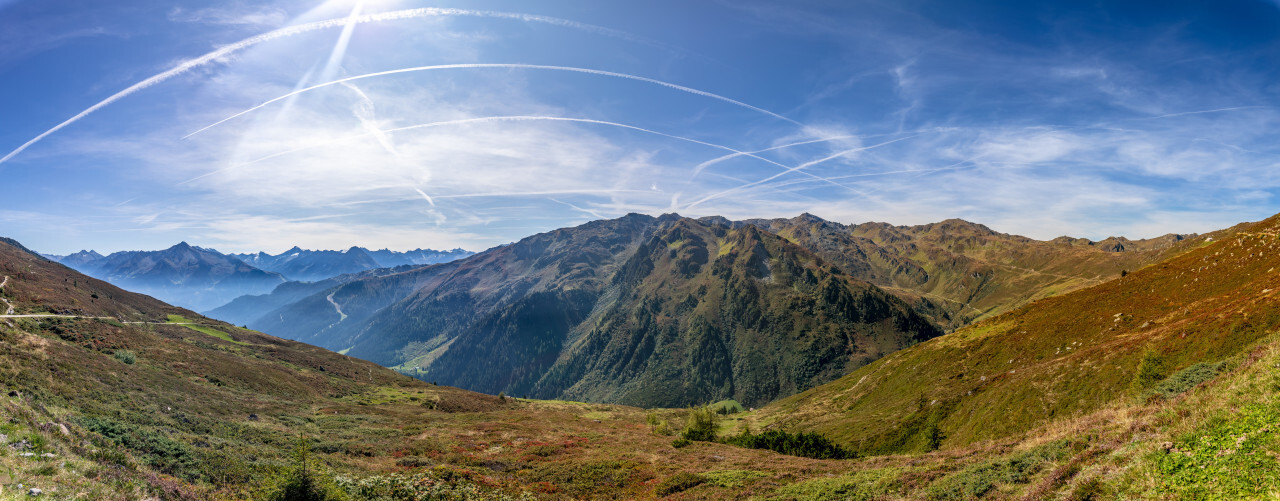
(873, 250)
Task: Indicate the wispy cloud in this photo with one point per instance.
(488, 126)
(233, 14)
(227, 50)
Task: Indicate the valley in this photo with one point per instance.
(1071, 394)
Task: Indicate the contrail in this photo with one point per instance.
(698, 168)
(517, 118)
(798, 168)
(1170, 115)
(289, 31)
(365, 112)
(424, 195)
(580, 209)
(702, 166)
(506, 66)
(499, 194)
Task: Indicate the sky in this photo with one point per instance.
(251, 126)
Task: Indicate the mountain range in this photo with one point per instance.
(203, 279)
(314, 265)
(191, 276)
(444, 323)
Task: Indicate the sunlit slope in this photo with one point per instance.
(958, 271)
(1056, 357)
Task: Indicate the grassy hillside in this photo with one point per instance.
(1062, 356)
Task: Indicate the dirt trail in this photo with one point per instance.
(7, 305)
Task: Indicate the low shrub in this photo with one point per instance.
(1186, 379)
(125, 356)
(976, 481)
(858, 486)
(810, 445)
(678, 483)
(156, 449)
(1150, 371)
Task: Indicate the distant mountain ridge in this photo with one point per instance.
(203, 279)
(309, 266)
(184, 275)
(299, 264)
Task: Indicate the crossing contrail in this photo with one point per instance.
(514, 118)
(289, 31)
(698, 168)
(798, 168)
(702, 166)
(504, 66)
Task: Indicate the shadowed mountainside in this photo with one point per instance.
(616, 311)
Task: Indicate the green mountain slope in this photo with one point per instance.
(957, 271)
(1062, 356)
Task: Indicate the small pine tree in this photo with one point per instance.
(933, 437)
(701, 425)
(1150, 371)
(305, 481)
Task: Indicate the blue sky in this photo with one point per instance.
(1036, 118)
